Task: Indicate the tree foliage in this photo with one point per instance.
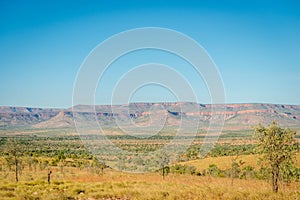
(278, 149)
(163, 163)
(14, 151)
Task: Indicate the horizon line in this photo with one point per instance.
(144, 102)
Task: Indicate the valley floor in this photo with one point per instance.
(74, 183)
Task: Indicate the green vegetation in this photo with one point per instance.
(278, 148)
(58, 166)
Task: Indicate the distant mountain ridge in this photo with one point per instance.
(237, 116)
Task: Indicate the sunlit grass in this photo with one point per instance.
(224, 162)
(74, 183)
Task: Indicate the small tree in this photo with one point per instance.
(98, 165)
(49, 175)
(62, 160)
(235, 166)
(164, 161)
(278, 149)
(14, 153)
(235, 169)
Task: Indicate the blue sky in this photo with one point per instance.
(255, 45)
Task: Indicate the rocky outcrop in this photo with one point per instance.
(24, 116)
(236, 115)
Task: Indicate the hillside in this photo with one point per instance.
(224, 162)
(237, 116)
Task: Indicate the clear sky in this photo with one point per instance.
(255, 45)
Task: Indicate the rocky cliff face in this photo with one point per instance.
(238, 116)
(24, 116)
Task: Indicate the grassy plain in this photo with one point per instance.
(224, 162)
(81, 184)
(78, 179)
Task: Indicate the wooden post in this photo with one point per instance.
(49, 176)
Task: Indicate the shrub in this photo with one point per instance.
(184, 169)
(213, 170)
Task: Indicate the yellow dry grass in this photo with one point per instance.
(74, 183)
(224, 162)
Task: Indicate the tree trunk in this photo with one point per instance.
(49, 176)
(275, 175)
(232, 174)
(16, 165)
